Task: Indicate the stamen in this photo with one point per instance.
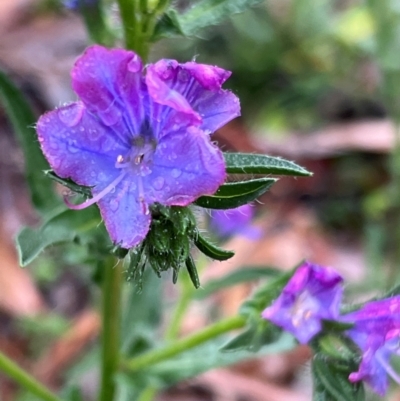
(97, 197)
(138, 159)
(388, 368)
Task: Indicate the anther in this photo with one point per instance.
(120, 159)
(138, 159)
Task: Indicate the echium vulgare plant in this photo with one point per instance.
(136, 154)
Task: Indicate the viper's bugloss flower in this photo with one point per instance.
(76, 4)
(376, 332)
(225, 223)
(138, 136)
(312, 294)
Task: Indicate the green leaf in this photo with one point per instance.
(235, 194)
(210, 249)
(260, 333)
(203, 14)
(247, 163)
(63, 227)
(22, 118)
(242, 275)
(68, 183)
(264, 295)
(208, 356)
(333, 375)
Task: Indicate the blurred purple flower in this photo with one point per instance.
(376, 332)
(138, 139)
(75, 4)
(312, 294)
(225, 223)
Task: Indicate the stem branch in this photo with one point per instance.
(183, 344)
(25, 380)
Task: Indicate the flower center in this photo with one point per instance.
(137, 161)
(303, 309)
(139, 158)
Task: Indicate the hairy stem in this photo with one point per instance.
(178, 346)
(112, 284)
(25, 380)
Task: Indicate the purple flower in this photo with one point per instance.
(376, 332)
(76, 4)
(313, 293)
(234, 221)
(139, 139)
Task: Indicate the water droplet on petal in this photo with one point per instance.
(110, 116)
(114, 205)
(183, 76)
(158, 183)
(135, 64)
(94, 134)
(176, 173)
(71, 115)
(72, 148)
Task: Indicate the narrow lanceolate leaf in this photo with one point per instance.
(235, 194)
(247, 163)
(60, 228)
(211, 250)
(203, 14)
(23, 120)
(68, 183)
(239, 276)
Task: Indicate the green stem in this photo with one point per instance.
(112, 284)
(181, 345)
(12, 370)
(128, 12)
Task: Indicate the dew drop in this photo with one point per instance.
(158, 183)
(71, 115)
(110, 116)
(183, 76)
(176, 173)
(94, 134)
(135, 65)
(72, 148)
(114, 205)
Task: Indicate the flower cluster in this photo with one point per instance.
(139, 136)
(313, 295)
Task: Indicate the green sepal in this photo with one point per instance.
(134, 265)
(23, 121)
(331, 378)
(86, 191)
(248, 163)
(192, 270)
(235, 194)
(210, 249)
(63, 227)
